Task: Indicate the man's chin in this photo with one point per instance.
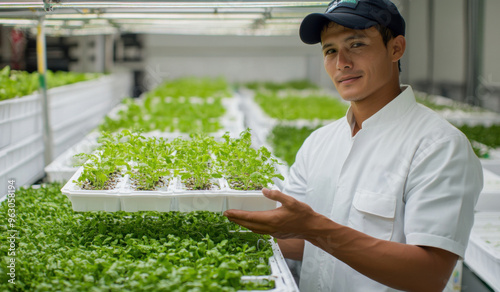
(351, 97)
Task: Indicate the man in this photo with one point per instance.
(383, 199)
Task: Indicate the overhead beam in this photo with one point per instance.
(49, 5)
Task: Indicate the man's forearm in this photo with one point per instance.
(401, 266)
(292, 248)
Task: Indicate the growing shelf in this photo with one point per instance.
(174, 109)
(287, 140)
(483, 252)
(484, 139)
(292, 109)
(147, 251)
(185, 105)
(458, 113)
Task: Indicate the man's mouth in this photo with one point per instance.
(348, 79)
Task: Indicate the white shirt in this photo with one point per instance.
(407, 176)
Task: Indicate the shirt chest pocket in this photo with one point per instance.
(373, 214)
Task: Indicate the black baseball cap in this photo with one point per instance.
(355, 14)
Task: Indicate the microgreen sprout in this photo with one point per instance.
(187, 105)
(198, 161)
(62, 250)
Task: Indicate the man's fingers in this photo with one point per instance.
(236, 213)
(254, 227)
(250, 216)
(276, 195)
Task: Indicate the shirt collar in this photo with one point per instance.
(390, 112)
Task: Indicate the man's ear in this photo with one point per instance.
(398, 47)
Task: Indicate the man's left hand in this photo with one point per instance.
(291, 220)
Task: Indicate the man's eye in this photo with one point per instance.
(330, 51)
(357, 45)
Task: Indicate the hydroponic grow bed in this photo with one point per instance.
(489, 198)
(280, 272)
(144, 251)
(483, 253)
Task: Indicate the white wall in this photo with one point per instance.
(449, 41)
(248, 58)
(238, 58)
(490, 77)
(491, 64)
(417, 24)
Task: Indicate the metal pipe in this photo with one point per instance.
(41, 51)
(21, 4)
(158, 4)
(430, 47)
(475, 43)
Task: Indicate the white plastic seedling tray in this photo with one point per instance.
(483, 253)
(280, 273)
(173, 197)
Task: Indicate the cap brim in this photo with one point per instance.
(312, 25)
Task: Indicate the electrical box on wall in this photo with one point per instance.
(128, 48)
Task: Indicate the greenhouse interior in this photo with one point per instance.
(128, 129)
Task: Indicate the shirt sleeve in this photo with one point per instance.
(443, 185)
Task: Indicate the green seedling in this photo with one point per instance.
(187, 105)
(294, 105)
(16, 83)
(199, 161)
(57, 249)
(286, 141)
(244, 167)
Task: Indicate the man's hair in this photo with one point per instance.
(387, 35)
(385, 32)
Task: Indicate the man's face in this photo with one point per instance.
(357, 61)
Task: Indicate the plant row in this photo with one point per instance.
(441, 103)
(151, 162)
(300, 104)
(192, 87)
(187, 105)
(287, 102)
(16, 83)
(287, 140)
(488, 136)
(298, 107)
(277, 86)
(59, 250)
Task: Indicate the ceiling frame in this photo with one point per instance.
(116, 16)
